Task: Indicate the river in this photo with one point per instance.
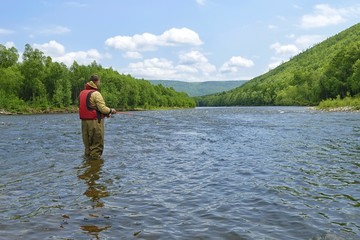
(203, 173)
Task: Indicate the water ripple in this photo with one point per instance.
(206, 173)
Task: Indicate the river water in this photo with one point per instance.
(204, 173)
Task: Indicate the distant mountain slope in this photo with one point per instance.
(200, 88)
(330, 69)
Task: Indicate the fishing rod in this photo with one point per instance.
(139, 115)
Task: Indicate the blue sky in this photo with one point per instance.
(189, 40)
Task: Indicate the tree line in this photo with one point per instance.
(37, 83)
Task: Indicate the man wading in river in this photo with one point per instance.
(92, 110)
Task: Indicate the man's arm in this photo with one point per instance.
(99, 103)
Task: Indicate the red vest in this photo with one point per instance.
(86, 111)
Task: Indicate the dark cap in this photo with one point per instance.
(94, 78)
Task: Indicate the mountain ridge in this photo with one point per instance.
(194, 89)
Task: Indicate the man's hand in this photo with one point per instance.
(112, 111)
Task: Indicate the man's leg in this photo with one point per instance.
(97, 143)
(85, 128)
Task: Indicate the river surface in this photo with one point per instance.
(204, 173)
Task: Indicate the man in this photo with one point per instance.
(92, 110)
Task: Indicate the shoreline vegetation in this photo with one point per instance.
(30, 111)
(71, 109)
(348, 104)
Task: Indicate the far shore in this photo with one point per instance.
(35, 111)
(75, 110)
(337, 109)
(71, 110)
(3, 112)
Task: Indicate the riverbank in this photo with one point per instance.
(72, 109)
(39, 111)
(4, 112)
(75, 110)
(347, 104)
(338, 109)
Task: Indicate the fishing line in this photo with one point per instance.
(140, 115)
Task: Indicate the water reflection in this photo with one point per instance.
(91, 174)
(94, 230)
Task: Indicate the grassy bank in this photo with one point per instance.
(71, 109)
(345, 104)
(32, 110)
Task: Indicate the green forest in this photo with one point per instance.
(37, 84)
(328, 70)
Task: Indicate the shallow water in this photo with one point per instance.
(204, 173)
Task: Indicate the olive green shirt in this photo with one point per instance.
(97, 100)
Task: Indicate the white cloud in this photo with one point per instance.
(51, 48)
(289, 49)
(307, 41)
(155, 68)
(81, 57)
(323, 16)
(58, 54)
(9, 44)
(235, 63)
(56, 30)
(4, 31)
(276, 61)
(132, 55)
(282, 54)
(192, 66)
(192, 57)
(179, 36)
(198, 61)
(186, 69)
(150, 42)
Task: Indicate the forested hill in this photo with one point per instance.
(38, 84)
(328, 70)
(199, 88)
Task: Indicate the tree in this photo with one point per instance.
(78, 76)
(354, 80)
(12, 81)
(58, 94)
(55, 73)
(32, 68)
(8, 56)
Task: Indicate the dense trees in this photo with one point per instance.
(325, 71)
(8, 57)
(38, 83)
